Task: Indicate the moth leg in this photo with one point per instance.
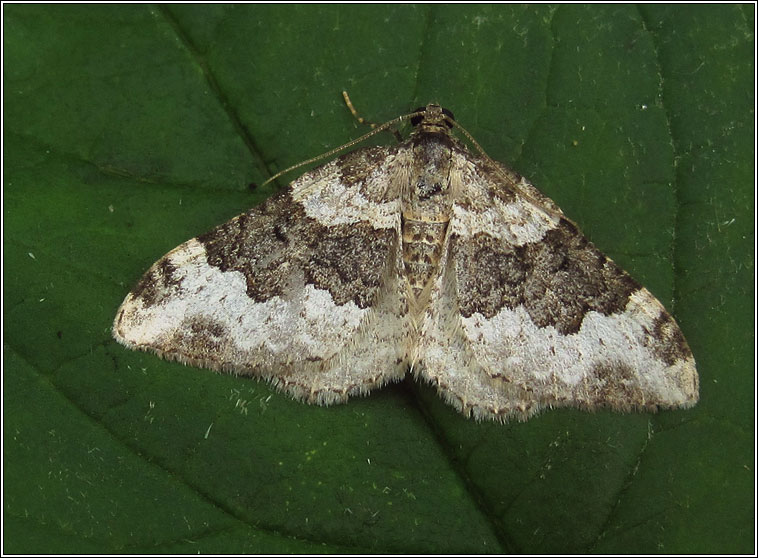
(365, 122)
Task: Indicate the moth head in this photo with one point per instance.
(432, 117)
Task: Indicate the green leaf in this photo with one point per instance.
(131, 128)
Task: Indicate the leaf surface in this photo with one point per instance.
(130, 128)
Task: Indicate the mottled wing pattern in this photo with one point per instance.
(303, 289)
(526, 313)
(423, 255)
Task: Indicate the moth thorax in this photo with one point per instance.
(426, 207)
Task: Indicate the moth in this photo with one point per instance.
(425, 257)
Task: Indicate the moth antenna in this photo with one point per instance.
(468, 136)
(375, 130)
(362, 120)
(526, 195)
